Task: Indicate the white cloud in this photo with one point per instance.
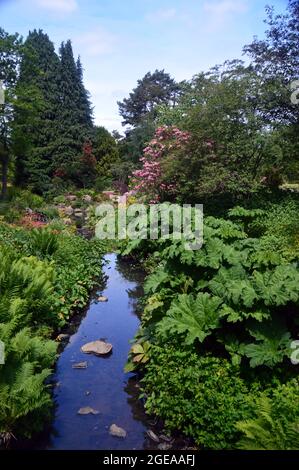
(111, 122)
(162, 15)
(220, 13)
(224, 7)
(60, 6)
(99, 88)
(96, 43)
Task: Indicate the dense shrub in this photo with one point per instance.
(201, 396)
(78, 266)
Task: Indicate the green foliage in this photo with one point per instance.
(244, 137)
(36, 105)
(105, 151)
(153, 89)
(24, 396)
(50, 212)
(26, 301)
(266, 431)
(10, 56)
(192, 318)
(78, 267)
(11, 216)
(74, 120)
(196, 296)
(271, 346)
(220, 321)
(24, 199)
(280, 228)
(27, 286)
(201, 396)
(276, 68)
(44, 242)
(36, 296)
(52, 118)
(230, 152)
(131, 147)
(138, 355)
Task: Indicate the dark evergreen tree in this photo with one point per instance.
(34, 130)
(75, 114)
(84, 104)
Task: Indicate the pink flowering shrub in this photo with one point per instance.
(151, 182)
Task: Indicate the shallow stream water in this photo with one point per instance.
(103, 385)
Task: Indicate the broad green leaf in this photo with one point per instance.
(194, 317)
(272, 343)
(155, 280)
(137, 349)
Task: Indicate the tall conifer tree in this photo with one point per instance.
(75, 115)
(37, 103)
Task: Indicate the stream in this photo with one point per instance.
(103, 385)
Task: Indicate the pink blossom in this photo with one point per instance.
(148, 181)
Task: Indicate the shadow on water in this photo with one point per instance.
(103, 385)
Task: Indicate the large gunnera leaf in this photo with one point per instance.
(195, 317)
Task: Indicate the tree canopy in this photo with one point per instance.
(153, 89)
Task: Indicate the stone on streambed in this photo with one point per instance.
(62, 337)
(102, 298)
(80, 365)
(164, 446)
(152, 435)
(116, 431)
(165, 438)
(87, 410)
(99, 348)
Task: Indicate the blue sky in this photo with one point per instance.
(119, 41)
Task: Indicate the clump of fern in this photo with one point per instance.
(44, 242)
(26, 289)
(28, 360)
(267, 431)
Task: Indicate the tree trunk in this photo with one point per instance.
(4, 176)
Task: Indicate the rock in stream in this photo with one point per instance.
(116, 431)
(99, 348)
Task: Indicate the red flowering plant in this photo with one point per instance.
(88, 159)
(32, 220)
(86, 171)
(153, 182)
